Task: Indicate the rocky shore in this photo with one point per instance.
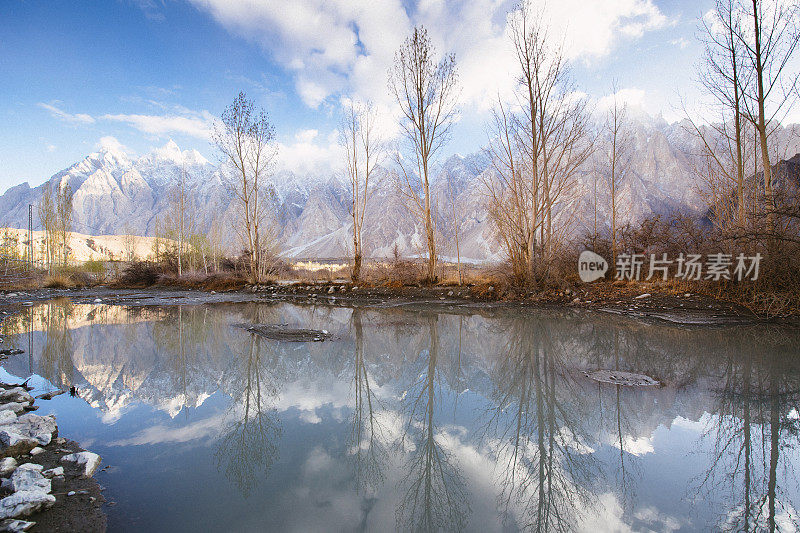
(47, 481)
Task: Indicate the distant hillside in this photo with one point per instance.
(115, 194)
(88, 247)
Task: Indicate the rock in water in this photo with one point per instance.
(7, 466)
(50, 395)
(14, 443)
(620, 377)
(90, 461)
(25, 503)
(280, 332)
(15, 526)
(14, 407)
(54, 472)
(28, 478)
(25, 433)
(17, 394)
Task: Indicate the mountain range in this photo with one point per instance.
(117, 194)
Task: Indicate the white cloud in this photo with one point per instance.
(194, 124)
(51, 147)
(631, 97)
(306, 136)
(111, 143)
(680, 42)
(311, 154)
(78, 118)
(346, 47)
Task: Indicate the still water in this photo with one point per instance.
(420, 418)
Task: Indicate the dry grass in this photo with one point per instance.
(59, 281)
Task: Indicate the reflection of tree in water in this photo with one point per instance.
(754, 428)
(435, 495)
(368, 435)
(628, 465)
(182, 334)
(545, 472)
(56, 361)
(249, 445)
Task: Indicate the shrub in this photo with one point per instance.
(141, 274)
(94, 267)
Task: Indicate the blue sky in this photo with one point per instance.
(76, 75)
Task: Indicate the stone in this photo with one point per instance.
(642, 296)
(90, 461)
(37, 450)
(14, 407)
(15, 443)
(620, 377)
(41, 428)
(50, 395)
(7, 416)
(28, 477)
(331, 290)
(15, 526)
(7, 466)
(98, 301)
(25, 503)
(54, 472)
(71, 493)
(25, 433)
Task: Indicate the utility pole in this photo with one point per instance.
(30, 235)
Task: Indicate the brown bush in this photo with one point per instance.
(139, 274)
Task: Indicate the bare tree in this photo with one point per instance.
(158, 241)
(770, 89)
(63, 220)
(180, 220)
(450, 198)
(129, 244)
(538, 150)
(510, 197)
(246, 139)
(46, 209)
(723, 160)
(364, 149)
(617, 163)
(427, 92)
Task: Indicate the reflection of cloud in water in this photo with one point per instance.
(636, 446)
(549, 417)
(207, 428)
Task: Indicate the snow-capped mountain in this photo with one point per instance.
(115, 194)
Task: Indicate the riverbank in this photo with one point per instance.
(47, 480)
(644, 301)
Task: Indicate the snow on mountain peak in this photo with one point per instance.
(170, 152)
(111, 155)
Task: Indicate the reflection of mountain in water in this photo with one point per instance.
(175, 357)
(394, 374)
